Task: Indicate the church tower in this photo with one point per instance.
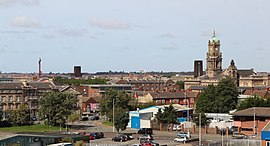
(213, 57)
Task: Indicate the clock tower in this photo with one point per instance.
(213, 58)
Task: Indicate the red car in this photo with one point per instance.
(146, 144)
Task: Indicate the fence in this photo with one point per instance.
(236, 142)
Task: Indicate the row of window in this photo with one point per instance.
(11, 99)
(9, 106)
(175, 100)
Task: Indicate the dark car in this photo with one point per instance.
(145, 131)
(97, 135)
(94, 118)
(120, 138)
(128, 136)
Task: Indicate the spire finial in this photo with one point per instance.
(214, 33)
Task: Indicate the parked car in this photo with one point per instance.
(238, 135)
(94, 118)
(149, 143)
(128, 136)
(145, 131)
(120, 138)
(180, 139)
(146, 136)
(183, 134)
(98, 135)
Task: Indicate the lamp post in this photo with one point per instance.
(113, 114)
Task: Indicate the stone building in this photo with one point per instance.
(15, 94)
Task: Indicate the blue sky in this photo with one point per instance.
(129, 35)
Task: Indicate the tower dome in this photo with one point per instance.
(214, 38)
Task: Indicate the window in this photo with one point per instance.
(191, 100)
(157, 101)
(10, 99)
(176, 100)
(163, 101)
(9, 107)
(3, 99)
(16, 106)
(17, 98)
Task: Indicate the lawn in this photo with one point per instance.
(107, 123)
(31, 128)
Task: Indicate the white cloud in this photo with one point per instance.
(73, 32)
(167, 35)
(109, 24)
(23, 21)
(21, 2)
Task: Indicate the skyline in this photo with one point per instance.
(127, 35)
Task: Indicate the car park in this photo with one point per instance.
(145, 131)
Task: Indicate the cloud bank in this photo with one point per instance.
(109, 24)
(23, 21)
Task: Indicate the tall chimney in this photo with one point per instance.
(39, 68)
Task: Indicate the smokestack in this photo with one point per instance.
(39, 68)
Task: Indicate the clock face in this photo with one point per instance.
(216, 49)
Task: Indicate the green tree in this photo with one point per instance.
(252, 101)
(204, 120)
(227, 95)
(120, 98)
(77, 82)
(117, 101)
(205, 101)
(20, 116)
(167, 116)
(218, 99)
(121, 118)
(73, 117)
(181, 84)
(55, 107)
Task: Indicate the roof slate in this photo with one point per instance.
(259, 112)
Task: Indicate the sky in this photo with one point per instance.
(130, 35)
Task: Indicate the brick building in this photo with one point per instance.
(152, 85)
(92, 94)
(251, 121)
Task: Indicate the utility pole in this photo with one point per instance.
(254, 117)
(113, 114)
(200, 129)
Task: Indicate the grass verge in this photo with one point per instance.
(30, 128)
